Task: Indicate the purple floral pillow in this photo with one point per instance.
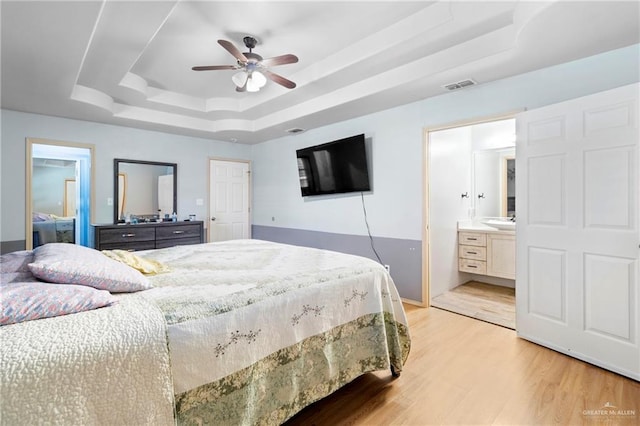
(74, 264)
(34, 300)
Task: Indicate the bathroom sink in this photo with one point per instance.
(502, 224)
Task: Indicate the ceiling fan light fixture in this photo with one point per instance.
(253, 70)
(259, 78)
(240, 78)
(256, 81)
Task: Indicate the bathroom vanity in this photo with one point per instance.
(484, 250)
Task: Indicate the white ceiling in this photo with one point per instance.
(129, 63)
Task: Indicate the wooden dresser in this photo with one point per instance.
(145, 236)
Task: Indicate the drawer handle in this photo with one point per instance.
(178, 232)
(472, 239)
(128, 235)
(472, 252)
(471, 266)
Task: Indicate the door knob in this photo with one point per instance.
(213, 218)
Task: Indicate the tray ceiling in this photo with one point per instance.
(129, 63)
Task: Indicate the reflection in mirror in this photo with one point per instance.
(492, 185)
(509, 186)
(144, 190)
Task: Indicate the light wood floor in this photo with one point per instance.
(466, 372)
(486, 302)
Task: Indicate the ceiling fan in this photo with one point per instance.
(253, 70)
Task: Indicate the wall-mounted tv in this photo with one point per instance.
(334, 167)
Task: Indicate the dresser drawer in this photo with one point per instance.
(472, 239)
(126, 234)
(472, 252)
(178, 231)
(130, 246)
(473, 266)
(177, 242)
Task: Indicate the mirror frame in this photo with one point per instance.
(116, 185)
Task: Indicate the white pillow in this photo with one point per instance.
(75, 264)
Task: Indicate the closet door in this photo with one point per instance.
(577, 228)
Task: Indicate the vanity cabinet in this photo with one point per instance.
(487, 253)
(145, 236)
(501, 255)
(472, 252)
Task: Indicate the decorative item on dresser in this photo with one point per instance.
(145, 236)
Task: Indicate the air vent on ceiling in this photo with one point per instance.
(295, 130)
(459, 84)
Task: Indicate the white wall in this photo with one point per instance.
(277, 189)
(191, 155)
(450, 177)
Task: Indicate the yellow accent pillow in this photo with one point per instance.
(146, 266)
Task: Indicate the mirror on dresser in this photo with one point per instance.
(144, 190)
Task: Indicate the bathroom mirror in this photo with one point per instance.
(494, 182)
(508, 207)
(144, 189)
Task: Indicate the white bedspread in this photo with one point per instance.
(239, 332)
(108, 366)
(249, 308)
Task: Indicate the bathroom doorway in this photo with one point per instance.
(58, 192)
(470, 180)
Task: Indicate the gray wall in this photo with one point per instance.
(191, 155)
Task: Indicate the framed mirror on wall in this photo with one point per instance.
(144, 190)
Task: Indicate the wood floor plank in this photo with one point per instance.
(486, 302)
(464, 371)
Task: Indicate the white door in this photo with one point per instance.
(165, 195)
(229, 200)
(577, 228)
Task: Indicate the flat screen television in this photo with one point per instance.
(334, 167)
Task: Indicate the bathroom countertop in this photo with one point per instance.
(469, 225)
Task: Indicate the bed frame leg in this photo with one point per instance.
(394, 373)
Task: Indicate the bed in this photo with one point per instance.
(48, 228)
(238, 332)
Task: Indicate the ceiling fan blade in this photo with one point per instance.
(279, 79)
(214, 67)
(233, 50)
(280, 60)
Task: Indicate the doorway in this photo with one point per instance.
(467, 185)
(59, 205)
(229, 200)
